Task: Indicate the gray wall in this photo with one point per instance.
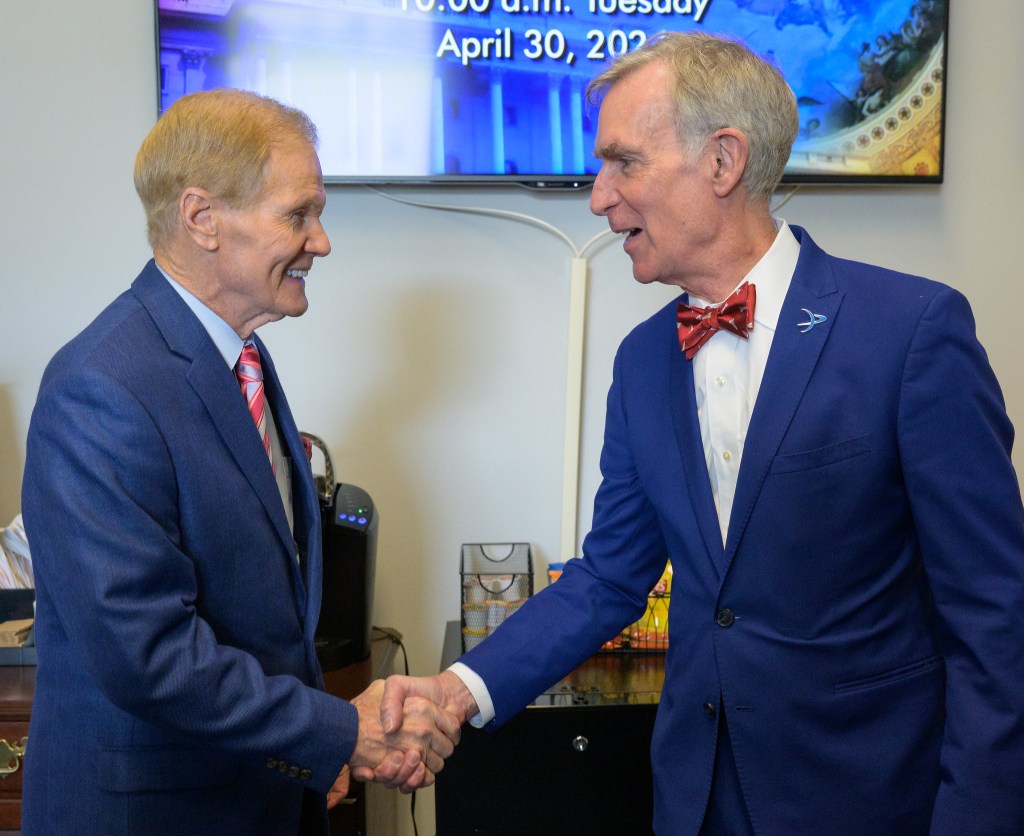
(442, 336)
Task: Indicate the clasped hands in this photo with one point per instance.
(407, 727)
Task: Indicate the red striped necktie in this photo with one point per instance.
(249, 372)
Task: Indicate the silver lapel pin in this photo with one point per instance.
(812, 320)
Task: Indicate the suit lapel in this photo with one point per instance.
(215, 385)
(794, 354)
(305, 502)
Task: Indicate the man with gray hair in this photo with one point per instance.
(822, 451)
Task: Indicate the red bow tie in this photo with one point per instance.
(696, 325)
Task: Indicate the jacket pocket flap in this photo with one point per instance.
(821, 456)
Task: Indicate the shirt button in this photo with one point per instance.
(709, 709)
(727, 456)
(725, 618)
(720, 380)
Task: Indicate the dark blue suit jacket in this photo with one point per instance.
(177, 687)
(871, 662)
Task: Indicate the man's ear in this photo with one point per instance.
(199, 217)
(731, 150)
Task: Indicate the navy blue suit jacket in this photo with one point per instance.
(177, 687)
(870, 662)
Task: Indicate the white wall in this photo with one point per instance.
(443, 336)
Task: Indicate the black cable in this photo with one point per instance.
(396, 637)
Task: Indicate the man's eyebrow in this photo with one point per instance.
(311, 203)
(612, 151)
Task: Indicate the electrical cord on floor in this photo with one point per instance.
(396, 637)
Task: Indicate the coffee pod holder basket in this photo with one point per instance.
(496, 579)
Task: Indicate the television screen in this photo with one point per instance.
(479, 91)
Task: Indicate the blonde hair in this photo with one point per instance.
(217, 140)
(720, 83)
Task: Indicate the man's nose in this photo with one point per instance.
(319, 244)
(602, 196)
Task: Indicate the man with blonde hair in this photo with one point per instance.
(175, 527)
(822, 450)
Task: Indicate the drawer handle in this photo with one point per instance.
(580, 743)
(11, 756)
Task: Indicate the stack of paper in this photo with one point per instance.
(14, 633)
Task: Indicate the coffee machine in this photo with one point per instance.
(349, 522)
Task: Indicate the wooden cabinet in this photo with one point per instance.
(17, 683)
(576, 761)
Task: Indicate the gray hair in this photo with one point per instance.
(720, 83)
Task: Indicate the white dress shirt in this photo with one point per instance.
(727, 374)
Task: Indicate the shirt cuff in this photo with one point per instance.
(471, 679)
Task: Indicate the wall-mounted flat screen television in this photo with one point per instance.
(493, 91)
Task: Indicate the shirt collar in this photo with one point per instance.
(771, 276)
(228, 343)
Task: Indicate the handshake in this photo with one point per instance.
(407, 727)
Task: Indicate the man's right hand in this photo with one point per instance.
(411, 750)
(403, 694)
(444, 689)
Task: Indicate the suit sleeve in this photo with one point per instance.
(955, 441)
(101, 503)
(559, 628)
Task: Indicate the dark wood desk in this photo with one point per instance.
(18, 682)
(575, 761)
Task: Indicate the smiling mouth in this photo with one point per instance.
(297, 274)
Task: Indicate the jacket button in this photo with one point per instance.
(305, 775)
(271, 763)
(282, 767)
(709, 709)
(293, 772)
(725, 618)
